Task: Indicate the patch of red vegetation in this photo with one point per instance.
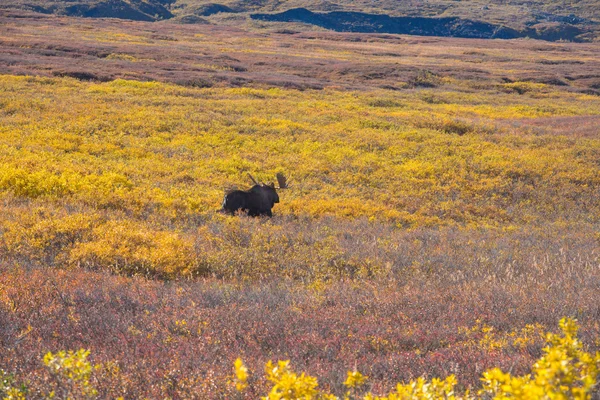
(573, 126)
(209, 55)
(179, 339)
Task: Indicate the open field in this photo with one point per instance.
(103, 164)
(179, 340)
(444, 208)
(208, 55)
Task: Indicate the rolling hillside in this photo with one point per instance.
(484, 18)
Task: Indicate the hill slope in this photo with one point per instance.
(343, 21)
(140, 10)
(534, 19)
(510, 12)
(549, 20)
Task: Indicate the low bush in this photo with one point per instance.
(565, 371)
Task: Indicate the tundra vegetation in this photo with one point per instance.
(440, 221)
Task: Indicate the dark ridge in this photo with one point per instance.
(565, 19)
(191, 19)
(139, 10)
(155, 9)
(36, 8)
(342, 21)
(212, 8)
(553, 32)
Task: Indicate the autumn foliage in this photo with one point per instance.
(443, 214)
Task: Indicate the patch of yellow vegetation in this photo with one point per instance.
(154, 155)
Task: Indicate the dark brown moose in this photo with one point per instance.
(258, 200)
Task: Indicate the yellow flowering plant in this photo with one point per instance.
(241, 375)
(72, 372)
(565, 371)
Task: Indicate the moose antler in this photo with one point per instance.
(253, 180)
(282, 180)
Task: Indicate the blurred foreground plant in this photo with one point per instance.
(565, 371)
(72, 373)
(8, 388)
(241, 375)
(289, 385)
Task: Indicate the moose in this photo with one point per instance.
(257, 201)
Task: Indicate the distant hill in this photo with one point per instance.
(514, 13)
(140, 10)
(547, 20)
(344, 21)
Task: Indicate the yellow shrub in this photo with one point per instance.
(288, 385)
(160, 155)
(8, 388)
(565, 371)
(42, 235)
(73, 372)
(127, 247)
(35, 184)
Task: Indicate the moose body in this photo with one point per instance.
(259, 200)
